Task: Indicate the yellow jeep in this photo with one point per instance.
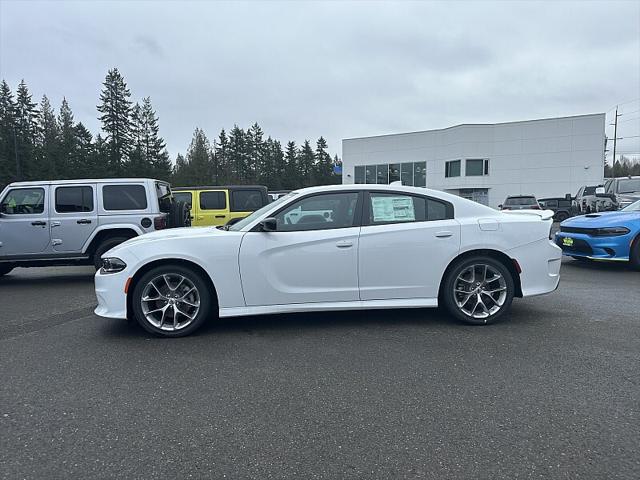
(213, 205)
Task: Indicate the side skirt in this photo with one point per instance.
(329, 306)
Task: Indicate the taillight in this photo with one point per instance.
(160, 223)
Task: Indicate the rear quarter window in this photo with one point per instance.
(124, 197)
(246, 200)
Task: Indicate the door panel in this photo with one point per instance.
(302, 266)
(73, 216)
(24, 222)
(406, 260)
(213, 208)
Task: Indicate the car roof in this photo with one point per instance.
(212, 187)
(521, 196)
(36, 183)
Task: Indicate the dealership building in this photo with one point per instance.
(547, 158)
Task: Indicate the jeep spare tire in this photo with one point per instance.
(179, 215)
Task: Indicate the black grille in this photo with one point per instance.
(579, 246)
(586, 231)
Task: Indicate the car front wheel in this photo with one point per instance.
(172, 301)
(478, 290)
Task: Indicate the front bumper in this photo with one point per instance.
(595, 248)
(110, 290)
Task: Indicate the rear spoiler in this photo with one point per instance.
(543, 214)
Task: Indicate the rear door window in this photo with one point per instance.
(74, 199)
(124, 197)
(213, 200)
(246, 200)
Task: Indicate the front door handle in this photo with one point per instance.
(83, 221)
(444, 234)
(344, 244)
(39, 223)
(55, 223)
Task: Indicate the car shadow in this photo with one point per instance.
(15, 280)
(596, 265)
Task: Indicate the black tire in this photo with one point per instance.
(104, 246)
(561, 217)
(448, 295)
(179, 215)
(4, 269)
(205, 295)
(634, 254)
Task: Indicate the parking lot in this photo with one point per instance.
(554, 392)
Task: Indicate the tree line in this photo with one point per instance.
(38, 143)
(622, 167)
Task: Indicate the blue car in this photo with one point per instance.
(613, 236)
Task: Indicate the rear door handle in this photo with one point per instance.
(220, 216)
(344, 244)
(83, 221)
(444, 234)
(39, 223)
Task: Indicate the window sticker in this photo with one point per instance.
(393, 209)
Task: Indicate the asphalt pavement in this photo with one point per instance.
(552, 392)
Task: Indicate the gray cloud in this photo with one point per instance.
(340, 70)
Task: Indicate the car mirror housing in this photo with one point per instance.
(269, 224)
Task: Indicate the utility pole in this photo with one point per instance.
(15, 149)
(615, 139)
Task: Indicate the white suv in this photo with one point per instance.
(73, 222)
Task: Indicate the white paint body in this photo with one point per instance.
(361, 267)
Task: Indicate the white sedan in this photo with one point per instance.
(334, 248)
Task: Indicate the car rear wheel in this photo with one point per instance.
(4, 269)
(478, 290)
(172, 301)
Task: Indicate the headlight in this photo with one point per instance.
(610, 231)
(112, 265)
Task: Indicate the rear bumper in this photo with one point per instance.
(540, 264)
(595, 248)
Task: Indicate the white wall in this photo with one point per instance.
(546, 158)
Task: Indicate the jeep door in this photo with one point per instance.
(74, 216)
(24, 223)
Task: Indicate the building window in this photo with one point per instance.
(406, 174)
(477, 167)
(383, 174)
(370, 174)
(394, 172)
(420, 174)
(359, 174)
(452, 168)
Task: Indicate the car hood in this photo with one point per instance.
(168, 234)
(603, 219)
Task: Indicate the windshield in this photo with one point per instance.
(634, 207)
(520, 201)
(630, 185)
(258, 213)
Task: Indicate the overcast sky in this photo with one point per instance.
(337, 69)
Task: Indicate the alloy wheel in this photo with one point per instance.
(170, 302)
(480, 290)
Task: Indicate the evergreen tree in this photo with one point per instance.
(237, 151)
(82, 157)
(69, 163)
(220, 160)
(323, 168)
(291, 178)
(26, 130)
(255, 153)
(48, 144)
(7, 138)
(196, 168)
(115, 108)
(306, 162)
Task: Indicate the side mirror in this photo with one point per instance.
(500, 206)
(599, 191)
(269, 224)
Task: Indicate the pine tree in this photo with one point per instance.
(26, 133)
(82, 156)
(306, 162)
(291, 173)
(196, 168)
(115, 108)
(238, 156)
(7, 138)
(323, 168)
(220, 160)
(255, 153)
(48, 143)
(69, 163)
